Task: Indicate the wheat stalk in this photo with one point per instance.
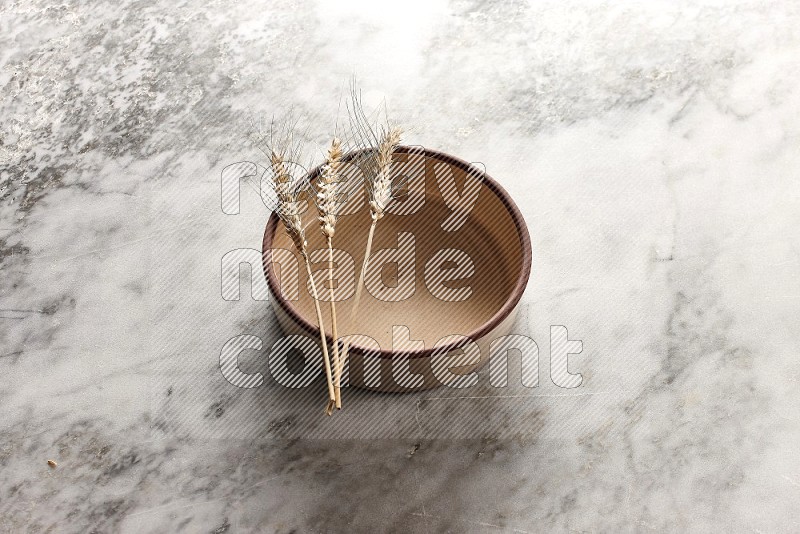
(380, 189)
(288, 211)
(327, 207)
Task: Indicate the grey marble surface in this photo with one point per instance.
(653, 149)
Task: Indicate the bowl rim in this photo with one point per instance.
(478, 333)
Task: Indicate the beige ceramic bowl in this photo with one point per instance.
(434, 208)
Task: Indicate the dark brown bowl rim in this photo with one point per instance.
(488, 326)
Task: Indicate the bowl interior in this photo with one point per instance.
(491, 237)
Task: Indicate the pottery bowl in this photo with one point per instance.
(449, 263)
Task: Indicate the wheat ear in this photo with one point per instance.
(380, 184)
(288, 211)
(379, 189)
(327, 206)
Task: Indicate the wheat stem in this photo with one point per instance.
(337, 387)
(323, 341)
(364, 265)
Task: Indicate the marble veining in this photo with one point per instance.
(652, 148)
